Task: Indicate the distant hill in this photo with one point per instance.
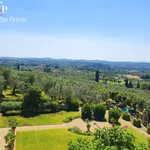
(76, 63)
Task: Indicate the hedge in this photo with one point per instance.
(126, 116)
(99, 112)
(10, 106)
(86, 112)
(115, 114)
(137, 122)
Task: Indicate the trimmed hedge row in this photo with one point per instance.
(50, 107)
(10, 106)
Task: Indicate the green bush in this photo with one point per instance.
(33, 98)
(73, 104)
(137, 122)
(126, 116)
(86, 112)
(49, 106)
(12, 123)
(75, 130)
(107, 139)
(148, 128)
(54, 107)
(115, 114)
(99, 112)
(69, 119)
(10, 106)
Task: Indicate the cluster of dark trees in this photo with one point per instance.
(128, 84)
(146, 77)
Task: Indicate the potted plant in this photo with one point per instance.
(13, 124)
(10, 139)
(88, 125)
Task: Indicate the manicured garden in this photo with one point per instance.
(49, 139)
(43, 119)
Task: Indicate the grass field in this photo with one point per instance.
(54, 139)
(140, 138)
(43, 119)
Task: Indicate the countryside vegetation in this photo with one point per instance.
(84, 105)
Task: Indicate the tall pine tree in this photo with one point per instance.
(97, 76)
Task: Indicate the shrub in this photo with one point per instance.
(73, 104)
(126, 116)
(137, 122)
(69, 119)
(12, 123)
(148, 128)
(33, 98)
(99, 112)
(49, 106)
(10, 139)
(54, 107)
(75, 130)
(86, 112)
(10, 106)
(115, 114)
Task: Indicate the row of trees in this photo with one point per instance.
(35, 101)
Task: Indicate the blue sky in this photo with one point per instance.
(117, 30)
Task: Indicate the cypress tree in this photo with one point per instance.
(130, 85)
(18, 66)
(126, 83)
(97, 76)
(138, 85)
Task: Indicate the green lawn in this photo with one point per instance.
(53, 139)
(140, 138)
(43, 119)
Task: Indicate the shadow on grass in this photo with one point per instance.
(30, 114)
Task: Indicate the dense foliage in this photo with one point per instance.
(107, 139)
(56, 81)
(137, 122)
(99, 112)
(10, 106)
(126, 116)
(114, 114)
(148, 128)
(86, 112)
(33, 98)
(72, 104)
